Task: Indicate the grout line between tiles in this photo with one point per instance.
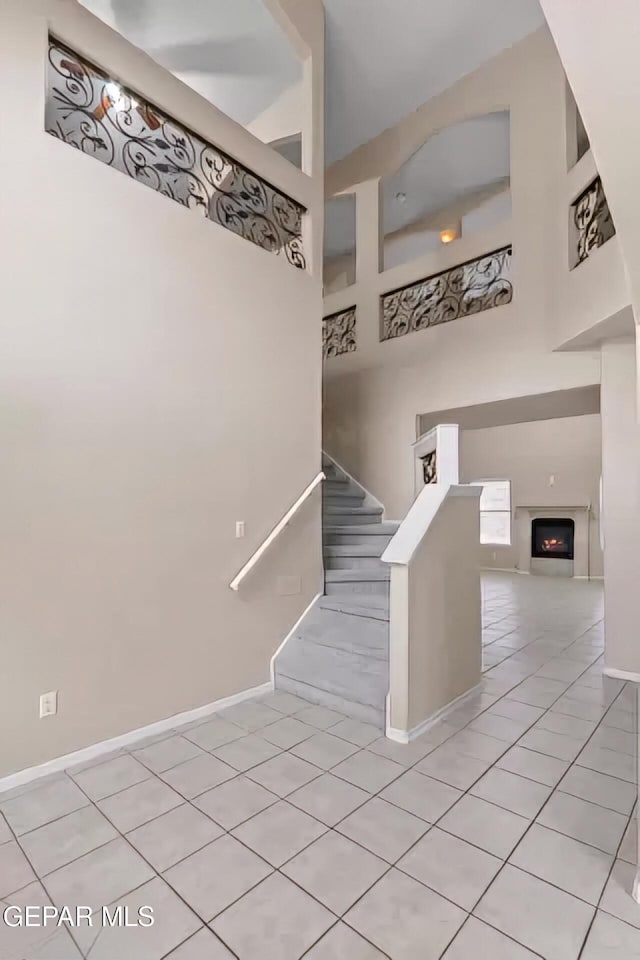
(401, 771)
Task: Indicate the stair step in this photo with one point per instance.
(341, 487)
(365, 636)
(374, 535)
(339, 582)
(343, 500)
(323, 698)
(379, 543)
(355, 576)
(373, 602)
(339, 654)
(366, 549)
(355, 677)
(385, 528)
(367, 564)
(372, 605)
(335, 516)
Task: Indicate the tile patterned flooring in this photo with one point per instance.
(278, 829)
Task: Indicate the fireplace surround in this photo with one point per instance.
(552, 537)
(548, 564)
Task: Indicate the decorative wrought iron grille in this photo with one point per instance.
(102, 118)
(430, 467)
(592, 221)
(467, 288)
(339, 333)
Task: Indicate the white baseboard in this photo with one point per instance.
(406, 736)
(115, 743)
(289, 635)
(629, 675)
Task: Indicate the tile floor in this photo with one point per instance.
(278, 829)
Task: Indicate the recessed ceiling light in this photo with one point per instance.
(446, 236)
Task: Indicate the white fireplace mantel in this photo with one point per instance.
(580, 514)
(552, 511)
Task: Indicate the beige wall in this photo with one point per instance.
(436, 639)
(283, 118)
(144, 410)
(599, 51)
(529, 454)
(551, 304)
(372, 396)
(597, 289)
(621, 506)
(369, 419)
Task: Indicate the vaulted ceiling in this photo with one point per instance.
(230, 51)
(454, 165)
(384, 57)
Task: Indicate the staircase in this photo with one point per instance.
(339, 654)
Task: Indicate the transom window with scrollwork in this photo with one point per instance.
(339, 333)
(471, 287)
(592, 222)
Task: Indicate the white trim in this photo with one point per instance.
(108, 746)
(526, 572)
(279, 527)
(406, 736)
(616, 674)
(399, 666)
(413, 528)
(370, 499)
(483, 482)
(289, 635)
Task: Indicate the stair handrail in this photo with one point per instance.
(279, 527)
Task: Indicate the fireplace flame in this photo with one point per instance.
(551, 544)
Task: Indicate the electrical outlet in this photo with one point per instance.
(49, 704)
(288, 586)
(239, 529)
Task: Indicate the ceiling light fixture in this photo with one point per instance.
(446, 236)
(401, 197)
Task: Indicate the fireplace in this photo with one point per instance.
(552, 538)
(536, 527)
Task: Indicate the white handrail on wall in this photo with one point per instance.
(279, 527)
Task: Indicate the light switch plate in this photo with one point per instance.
(48, 704)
